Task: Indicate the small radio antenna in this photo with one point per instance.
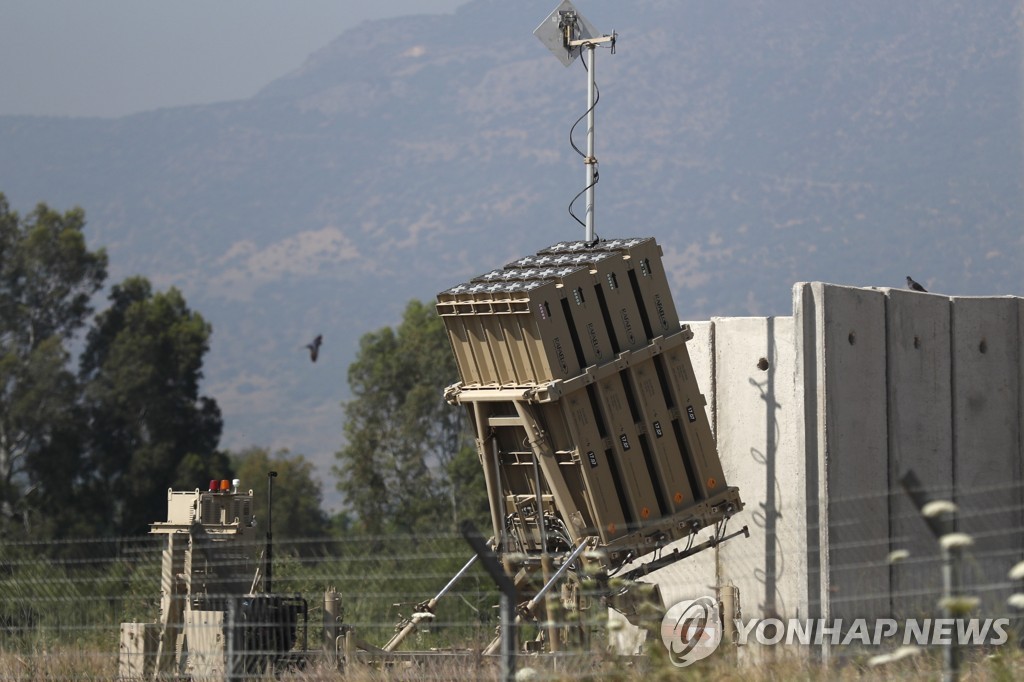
(567, 33)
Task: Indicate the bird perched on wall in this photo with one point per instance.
(911, 284)
(314, 347)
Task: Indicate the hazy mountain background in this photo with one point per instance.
(762, 143)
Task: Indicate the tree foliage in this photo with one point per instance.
(93, 451)
(47, 279)
(403, 466)
(140, 370)
(297, 513)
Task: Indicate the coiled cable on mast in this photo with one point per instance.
(575, 147)
(592, 160)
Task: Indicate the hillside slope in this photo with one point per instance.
(761, 143)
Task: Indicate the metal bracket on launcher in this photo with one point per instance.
(676, 555)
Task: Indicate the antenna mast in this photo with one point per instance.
(567, 33)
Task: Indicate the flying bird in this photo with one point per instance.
(911, 284)
(314, 347)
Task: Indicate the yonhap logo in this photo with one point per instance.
(691, 630)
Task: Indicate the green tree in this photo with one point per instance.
(467, 487)
(141, 369)
(47, 279)
(299, 521)
(396, 469)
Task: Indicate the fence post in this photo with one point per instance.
(941, 522)
(231, 654)
(508, 597)
(951, 590)
(332, 626)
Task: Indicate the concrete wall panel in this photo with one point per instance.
(760, 420)
(920, 439)
(1020, 412)
(986, 440)
(865, 385)
(806, 322)
(851, 379)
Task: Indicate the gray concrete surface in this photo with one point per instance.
(857, 387)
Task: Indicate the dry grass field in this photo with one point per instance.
(1003, 665)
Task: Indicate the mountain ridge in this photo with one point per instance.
(761, 145)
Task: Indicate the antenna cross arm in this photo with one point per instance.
(591, 41)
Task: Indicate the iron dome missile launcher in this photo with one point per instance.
(589, 422)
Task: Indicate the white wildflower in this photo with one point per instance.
(901, 653)
(956, 541)
(938, 507)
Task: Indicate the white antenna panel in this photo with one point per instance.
(552, 34)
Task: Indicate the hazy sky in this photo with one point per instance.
(117, 57)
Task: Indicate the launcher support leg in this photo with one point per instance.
(425, 611)
(530, 607)
(552, 614)
(541, 447)
(492, 473)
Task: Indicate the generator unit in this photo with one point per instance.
(589, 422)
(212, 623)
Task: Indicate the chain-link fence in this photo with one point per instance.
(97, 609)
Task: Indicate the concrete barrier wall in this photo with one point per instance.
(756, 400)
(852, 450)
(986, 440)
(920, 438)
(857, 387)
(1020, 403)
